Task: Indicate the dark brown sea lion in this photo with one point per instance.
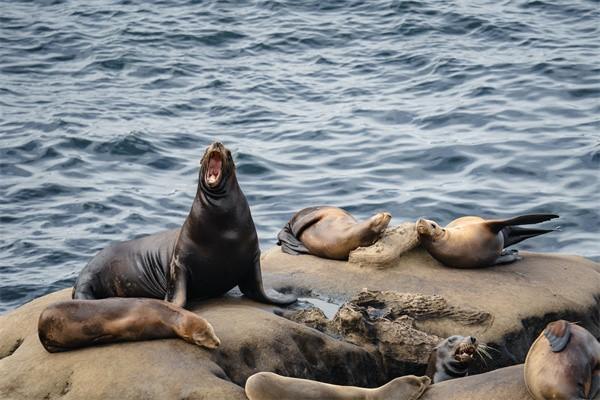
(270, 386)
(452, 357)
(472, 242)
(563, 363)
(215, 250)
(330, 232)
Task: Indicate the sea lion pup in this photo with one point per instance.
(563, 363)
(472, 242)
(270, 386)
(330, 232)
(452, 357)
(215, 250)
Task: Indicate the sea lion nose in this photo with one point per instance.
(473, 340)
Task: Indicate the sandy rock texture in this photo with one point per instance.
(514, 301)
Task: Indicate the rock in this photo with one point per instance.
(505, 306)
(408, 306)
(385, 252)
(253, 339)
(386, 322)
(501, 384)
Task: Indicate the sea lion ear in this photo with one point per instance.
(558, 334)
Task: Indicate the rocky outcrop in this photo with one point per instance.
(407, 306)
(512, 303)
(253, 339)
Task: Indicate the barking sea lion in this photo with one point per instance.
(472, 242)
(330, 232)
(452, 357)
(215, 250)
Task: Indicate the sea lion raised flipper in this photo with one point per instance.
(558, 334)
(496, 225)
(252, 287)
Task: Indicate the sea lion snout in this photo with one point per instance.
(215, 164)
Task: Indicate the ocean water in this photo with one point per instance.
(421, 108)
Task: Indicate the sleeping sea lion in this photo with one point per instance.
(329, 232)
(451, 358)
(472, 242)
(270, 386)
(563, 363)
(215, 250)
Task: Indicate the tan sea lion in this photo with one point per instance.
(563, 363)
(270, 386)
(71, 324)
(473, 242)
(451, 358)
(330, 232)
(215, 250)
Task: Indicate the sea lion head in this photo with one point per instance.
(429, 229)
(459, 348)
(379, 222)
(216, 166)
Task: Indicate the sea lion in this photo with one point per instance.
(563, 363)
(472, 242)
(215, 250)
(451, 358)
(124, 319)
(329, 232)
(270, 386)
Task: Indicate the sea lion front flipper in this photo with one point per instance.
(252, 287)
(508, 256)
(558, 334)
(176, 283)
(496, 225)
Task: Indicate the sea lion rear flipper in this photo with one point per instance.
(252, 287)
(496, 225)
(507, 257)
(289, 237)
(289, 243)
(558, 334)
(515, 234)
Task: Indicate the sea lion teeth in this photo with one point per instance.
(330, 232)
(451, 358)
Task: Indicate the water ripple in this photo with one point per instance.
(435, 109)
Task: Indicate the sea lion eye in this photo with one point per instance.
(433, 225)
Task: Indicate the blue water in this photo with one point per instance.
(422, 108)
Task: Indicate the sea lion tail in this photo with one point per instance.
(289, 243)
(515, 234)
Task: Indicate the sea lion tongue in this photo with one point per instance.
(214, 169)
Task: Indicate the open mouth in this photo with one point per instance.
(213, 172)
(465, 352)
